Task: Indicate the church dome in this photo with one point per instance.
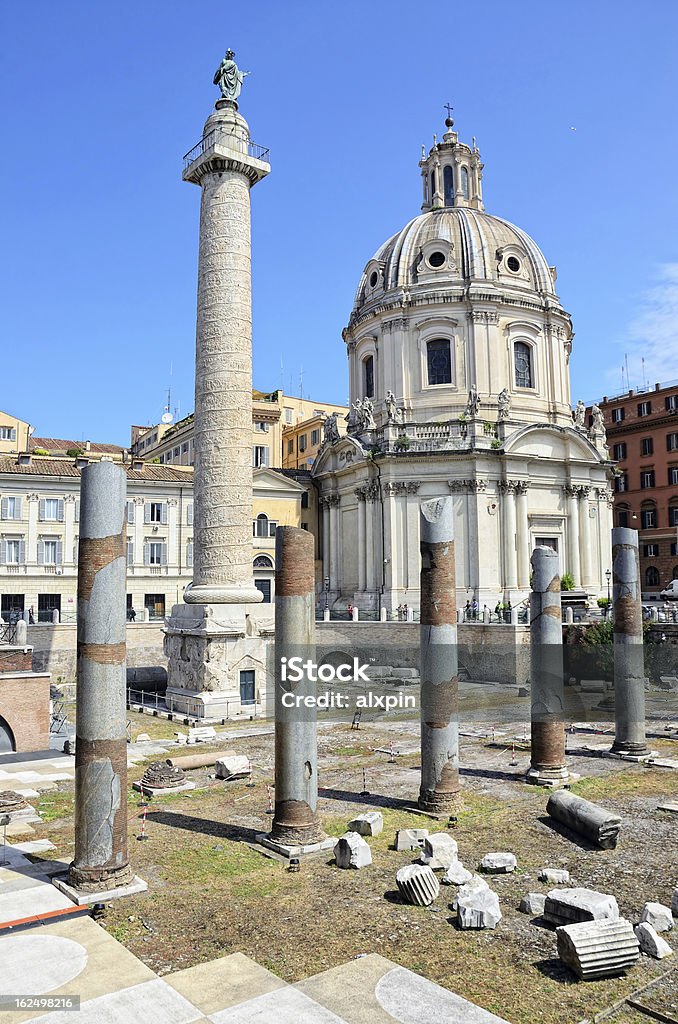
(456, 245)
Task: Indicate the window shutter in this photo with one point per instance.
(254, 455)
(3, 552)
(130, 512)
(189, 555)
(17, 508)
(77, 510)
(147, 512)
(130, 552)
(22, 552)
(163, 514)
(59, 552)
(266, 459)
(147, 554)
(189, 514)
(60, 515)
(41, 552)
(163, 554)
(4, 508)
(41, 510)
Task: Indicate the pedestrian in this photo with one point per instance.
(31, 619)
(131, 614)
(497, 611)
(467, 611)
(474, 609)
(405, 612)
(350, 611)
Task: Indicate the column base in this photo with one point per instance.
(439, 804)
(208, 594)
(631, 752)
(299, 850)
(551, 778)
(81, 897)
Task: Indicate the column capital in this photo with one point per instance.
(372, 491)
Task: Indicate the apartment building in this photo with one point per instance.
(642, 434)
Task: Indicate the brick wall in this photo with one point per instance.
(15, 659)
(54, 648)
(24, 705)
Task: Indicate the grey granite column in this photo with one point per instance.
(295, 821)
(101, 861)
(547, 756)
(629, 664)
(440, 790)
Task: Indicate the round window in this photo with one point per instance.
(513, 263)
(374, 277)
(436, 259)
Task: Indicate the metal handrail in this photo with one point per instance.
(215, 136)
(7, 633)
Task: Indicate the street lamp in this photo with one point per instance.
(608, 574)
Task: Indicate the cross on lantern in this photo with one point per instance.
(449, 109)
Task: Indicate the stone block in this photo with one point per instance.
(532, 903)
(651, 943)
(555, 876)
(478, 909)
(234, 766)
(369, 824)
(351, 851)
(201, 734)
(498, 863)
(475, 884)
(569, 906)
(418, 884)
(456, 874)
(598, 949)
(410, 838)
(440, 850)
(658, 916)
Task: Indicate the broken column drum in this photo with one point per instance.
(101, 860)
(547, 754)
(440, 789)
(629, 665)
(295, 819)
(587, 819)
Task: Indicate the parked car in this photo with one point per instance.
(671, 592)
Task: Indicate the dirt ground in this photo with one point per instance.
(212, 891)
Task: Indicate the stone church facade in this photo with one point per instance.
(458, 350)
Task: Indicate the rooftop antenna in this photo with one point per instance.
(167, 416)
(301, 382)
(626, 363)
(642, 360)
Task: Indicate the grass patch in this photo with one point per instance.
(633, 781)
(54, 806)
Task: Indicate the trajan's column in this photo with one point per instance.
(208, 639)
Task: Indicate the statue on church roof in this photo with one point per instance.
(504, 403)
(473, 403)
(330, 429)
(580, 415)
(393, 413)
(598, 424)
(229, 77)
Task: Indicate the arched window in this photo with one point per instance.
(652, 576)
(448, 185)
(262, 562)
(433, 184)
(622, 515)
(522, 361)
(439, 363)
(464, 182)
(260, 526)
(648, 515)
(673, 513)
(368, 376)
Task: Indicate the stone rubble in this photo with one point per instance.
(498, 863)
(231, 767)
(651, 943)
(475, 885)
(478, 908)
(418, 884)
(533, 903)
(410, 838)
(351, 851)
(162, 775)
(568, 906)
(369, 824)
(555, 876)
(456, 874)
(598, 949)
(440, 850)
(658, 916)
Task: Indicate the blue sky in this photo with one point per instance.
(100, 234)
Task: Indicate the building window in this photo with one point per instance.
(315, 437)
(652, 576)
(448, 185)
(522, 360)
(673, 475)
(646, 479)
(130, 551)
(439, 362)
(184, 448)
(644, 408)
(623, 516)
(175, 452)
(51, 510)
(648, 517)
(619, 452)
(47, 605)
(621, 483)
(155, 604)
(673, 515)
(189, 554)
(464, 182)
(155, 512)
(50, 551)
(264, 588)
(156, 553)
(7, 433)
(674, 548)
(189, 514)
(12, 551)
(263, 526)
(247, 686)
(262, 562)
(261, 426)
(303, 442)
(433, 184)
(290, 447)
(672, 442)
(650, 550)
(671, 403)
(368, 376)
(646, 446)
(289, 415)
(261, 455)
(10, 508)
(618, 415)
(304, 500)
